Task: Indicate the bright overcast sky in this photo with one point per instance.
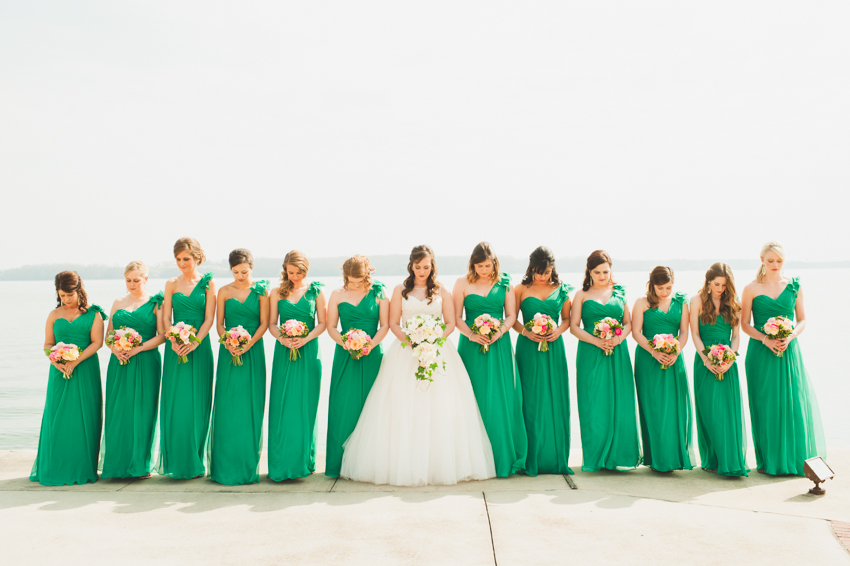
(650, 129)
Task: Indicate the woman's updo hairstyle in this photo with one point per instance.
(192, 246)
(357, 266)
(240, 256)
(69, 282)
(481, 253)
(661, 275)
(136, 266)
(774, 247)
(417, 254)
(594, 260)
(729, 307)
(539, 261)
(297, 260)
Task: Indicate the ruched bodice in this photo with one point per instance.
(246, 314)
(77, 331)
(142, 320)
(493, 303)
(304, 310)
(765, 307)
(551, 306)
(191, 308)
(592, 311)
(718, 333)
(365, 315)
(656, 321)
(411, 307)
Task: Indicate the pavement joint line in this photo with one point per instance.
(490, 526)
(333, 486)
(570, 481)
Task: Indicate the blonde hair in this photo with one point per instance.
(481, 253)
(729, 307)
(192, 246)
(297, 260)
(357, 266)
(772, 246)
(136, 265)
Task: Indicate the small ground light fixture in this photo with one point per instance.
(818, 471)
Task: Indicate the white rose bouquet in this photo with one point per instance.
(424, 335)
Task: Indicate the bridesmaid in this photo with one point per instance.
(604, 378)
(544, 376)
(486, 290)
(236, 432)
(184, 410)
(294, 395)
(360, 303)
(69, 442)
(664, 396)
(784, 411)
(715, 314)
(132, 389)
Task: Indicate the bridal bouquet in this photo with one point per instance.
(183, 334)
(666, 344)
(294, 329)
(357, 343)
(541, 324)
(718, 355)
(607, 328)
(237, 337)
(777, 328)
(424, 335)
(486, 325)
(125, 339)
(63, 353)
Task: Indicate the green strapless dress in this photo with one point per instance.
(294, 396)
(351, 380)
(132, 397)
(69, 442)
(720, 415)
(545, 382)
(496, 383)
(664, 396)
(186, 401)
(606, 395)
(236, 429)
(784, 410)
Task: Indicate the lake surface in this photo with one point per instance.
(24, 368)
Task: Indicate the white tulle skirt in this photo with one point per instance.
(412, 433)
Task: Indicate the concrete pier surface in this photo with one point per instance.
(636, 517)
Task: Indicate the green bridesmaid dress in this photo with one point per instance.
(784, 411)
(495, 381)
(606, 395)
(664, 398)
(186, 401)
(132, 396)
(720, 414)
(351, 380)
(294, 396)
(236, 430)
(69, 442)
(545, 383)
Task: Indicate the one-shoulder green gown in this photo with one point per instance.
(186, 399)
(496, 383)
(545, 383)
(132, 398)
(784, 412)
(69, 442)
(606, 395)
(294, 396)
(351, 380)
(236, 429)
(664, 396)
(720, 415)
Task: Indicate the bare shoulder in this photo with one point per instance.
(696, 301)
(171, 283)
(641, 303)
(397, 290)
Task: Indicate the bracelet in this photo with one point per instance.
(522, 332)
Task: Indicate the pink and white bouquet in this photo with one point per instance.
(777, 328)
(541, 324)
(183, 334)
(294, 329)
(424, 335)
(486, 326)
(606, 329)
(237, 338)
(125, 339)
(666, 344)
(63, 353)
(357, 343)
(718, 355)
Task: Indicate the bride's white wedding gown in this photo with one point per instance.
(412, 435)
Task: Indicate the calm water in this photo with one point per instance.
(23, 366)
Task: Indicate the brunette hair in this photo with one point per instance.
(136, 265)
(774, 247)
(594, 260)
(481, 253)
(192, 246)
(297, 260)
(729, 307)
(357, 266)
(417, 254)
(239, 256)
(539, 261)
(661, 275)
(70, 282)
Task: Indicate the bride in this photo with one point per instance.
(409, 434)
